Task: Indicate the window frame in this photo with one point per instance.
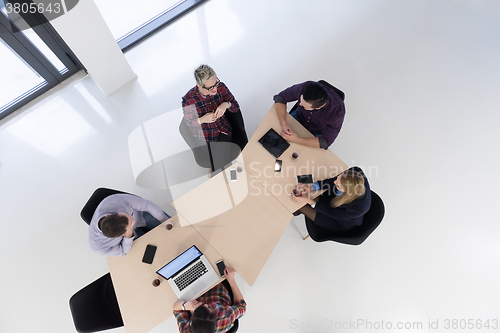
(34, 58)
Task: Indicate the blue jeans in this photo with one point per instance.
(151, 223)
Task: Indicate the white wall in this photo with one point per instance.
(86, 33)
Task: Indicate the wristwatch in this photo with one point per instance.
(183, 307)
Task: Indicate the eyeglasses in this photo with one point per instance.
(214, 86)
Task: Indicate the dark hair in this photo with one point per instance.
(203, 320)
(114, 225)
(315, 95)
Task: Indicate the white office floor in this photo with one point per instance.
(421, 84)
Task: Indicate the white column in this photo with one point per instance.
(84, 30)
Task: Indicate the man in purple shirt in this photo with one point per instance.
(320, 110)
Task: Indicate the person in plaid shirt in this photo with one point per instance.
(212, 312)
(205, 104)
(321, 111)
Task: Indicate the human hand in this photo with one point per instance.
(189, 306)
(290, 137)
(301, 199)
(221, 109)
(229, 273)
(208, 118)
(192, 305)
(285, 128)
(303, 188)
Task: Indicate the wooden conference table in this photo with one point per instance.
(143, 306)
(238, 221)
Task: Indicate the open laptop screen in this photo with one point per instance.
(183, 260)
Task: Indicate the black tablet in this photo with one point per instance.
(305, 179)
(274, 143)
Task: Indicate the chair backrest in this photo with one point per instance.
(239, 135)
(199, 147)
(323, 82)
(358, 234)
(337, 90)
(230, 290)
(95, 307)
(94, 201)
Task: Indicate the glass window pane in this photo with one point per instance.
(125, 16)
(45, 50)
(17, 76)
(32, 36)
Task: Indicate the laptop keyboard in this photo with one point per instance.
(191, 275)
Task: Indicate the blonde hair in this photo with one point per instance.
(353, 184)
(202, 74)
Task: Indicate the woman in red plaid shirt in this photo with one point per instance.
(213, 312)
(205, 104)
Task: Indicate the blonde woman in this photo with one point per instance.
(213, 116)
(342, 206)
(205, 106)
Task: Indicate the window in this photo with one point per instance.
(34, 59)
(131, 21)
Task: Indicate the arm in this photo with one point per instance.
(143, 205)
(229, 98)
(229, 272)
(182, 319)
(188, 305)
(310, 142)
(332, 129)
(190, 113)
(181, 312)
(281, 113)
(290, 94)
(229, 102)
(330, 133)
(338, 213)
(121, 249)
(238, 309)
(111, 247)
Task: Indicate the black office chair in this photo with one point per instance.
(239, 136)
(230, 290)
(324, 83)
(95, 308)
(94, 201)
(356, 235)
(200, 148)
(215, 155)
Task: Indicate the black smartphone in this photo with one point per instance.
(221, 266)
(149, 254)
(305, 179)
(277, 165)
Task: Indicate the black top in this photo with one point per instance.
(346, 216)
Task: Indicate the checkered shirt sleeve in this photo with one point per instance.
(218, 299)
(196, 106)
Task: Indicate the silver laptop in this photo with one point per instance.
(190, 274)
